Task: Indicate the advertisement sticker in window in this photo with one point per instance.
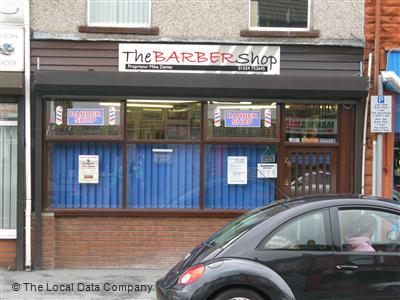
(85, 116)
(240, 118)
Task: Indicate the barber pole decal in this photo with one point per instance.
(59, 113)
(111, 116)
(217, 117)
(267, 118)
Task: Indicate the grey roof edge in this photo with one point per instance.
(356, 43)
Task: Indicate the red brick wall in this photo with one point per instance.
(107, 242)
(389, 39)
(8, 253)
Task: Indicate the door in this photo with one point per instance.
(300, 251)
(310, 170)
(367, 260)
(8, 169)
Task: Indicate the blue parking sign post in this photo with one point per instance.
(381, 114)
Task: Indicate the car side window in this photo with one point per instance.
(307, 232)
(366, 230)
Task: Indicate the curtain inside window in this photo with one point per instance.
(221, 195)
(163, 176)
(128, 12)
(67, 192)
(8, 175)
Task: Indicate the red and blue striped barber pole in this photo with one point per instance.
(217, 117)
(267, 118)
(111, 116)
(59, 113)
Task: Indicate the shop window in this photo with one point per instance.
(163, 120)
(8, 167)
(279, 15)
(163, 176)
(85, 175)
(124, 13)
(311, 123)
(243, 120)
(83, 118)
(239, 176)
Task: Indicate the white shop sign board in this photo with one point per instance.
(88, 169)
(381, 114)
(237, 169)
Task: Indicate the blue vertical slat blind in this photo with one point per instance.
(220, 195)
(121, 12)
(67, 192)
(163, 176)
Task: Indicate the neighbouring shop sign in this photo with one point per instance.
(381, 114)
(237, 169)
(193, 58)
(311, 126)
(88, 169)
(85, 116)
(11, 49)
(241, 118)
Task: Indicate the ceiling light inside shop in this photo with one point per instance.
(159, 101)
(246, 107)
(149, 105)
(110, 104)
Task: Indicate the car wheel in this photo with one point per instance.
(238, 294)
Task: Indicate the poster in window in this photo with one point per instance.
(237, 169)
(88, 169)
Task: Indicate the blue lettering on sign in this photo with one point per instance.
(381, 99)
(242, 118)
(85, 116)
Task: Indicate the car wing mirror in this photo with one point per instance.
(393, 235)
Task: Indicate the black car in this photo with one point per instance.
(323, 247)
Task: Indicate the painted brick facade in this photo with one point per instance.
(389, 39)
(98, 242)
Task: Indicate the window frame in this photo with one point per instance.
(117, 25)
(293, 29)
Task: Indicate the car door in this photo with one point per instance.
(300, 251)
(367, 260)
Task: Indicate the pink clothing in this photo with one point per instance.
(359, 243)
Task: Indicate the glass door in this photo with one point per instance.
(8, 168)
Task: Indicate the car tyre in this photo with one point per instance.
(238, 294)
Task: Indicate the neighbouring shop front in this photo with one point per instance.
(138, 167)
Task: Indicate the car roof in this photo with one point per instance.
(346, 198)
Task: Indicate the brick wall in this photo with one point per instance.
(389, 39)
(8, 253)
(107, 242)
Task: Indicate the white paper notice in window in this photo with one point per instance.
(88, 169)
(267, 170)
(237, 169)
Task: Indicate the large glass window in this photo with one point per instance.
(279, 14)
(242, 120)
(130, 13)
(83, 118)
(8, 165)
(163, 120)
(311, 123)
(239, 176)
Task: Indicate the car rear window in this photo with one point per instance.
(243, 224)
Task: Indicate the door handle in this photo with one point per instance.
(347, 267)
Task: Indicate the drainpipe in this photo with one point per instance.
(28, 170)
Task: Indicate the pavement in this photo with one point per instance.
(80, 284)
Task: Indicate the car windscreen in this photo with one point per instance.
(243, 224)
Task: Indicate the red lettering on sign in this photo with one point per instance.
(201, 57)
(173, 56)
(187, 56)
(227, 57)
(159, 56)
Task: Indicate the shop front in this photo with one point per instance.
(139, 167)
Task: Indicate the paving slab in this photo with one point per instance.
(80, 284)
